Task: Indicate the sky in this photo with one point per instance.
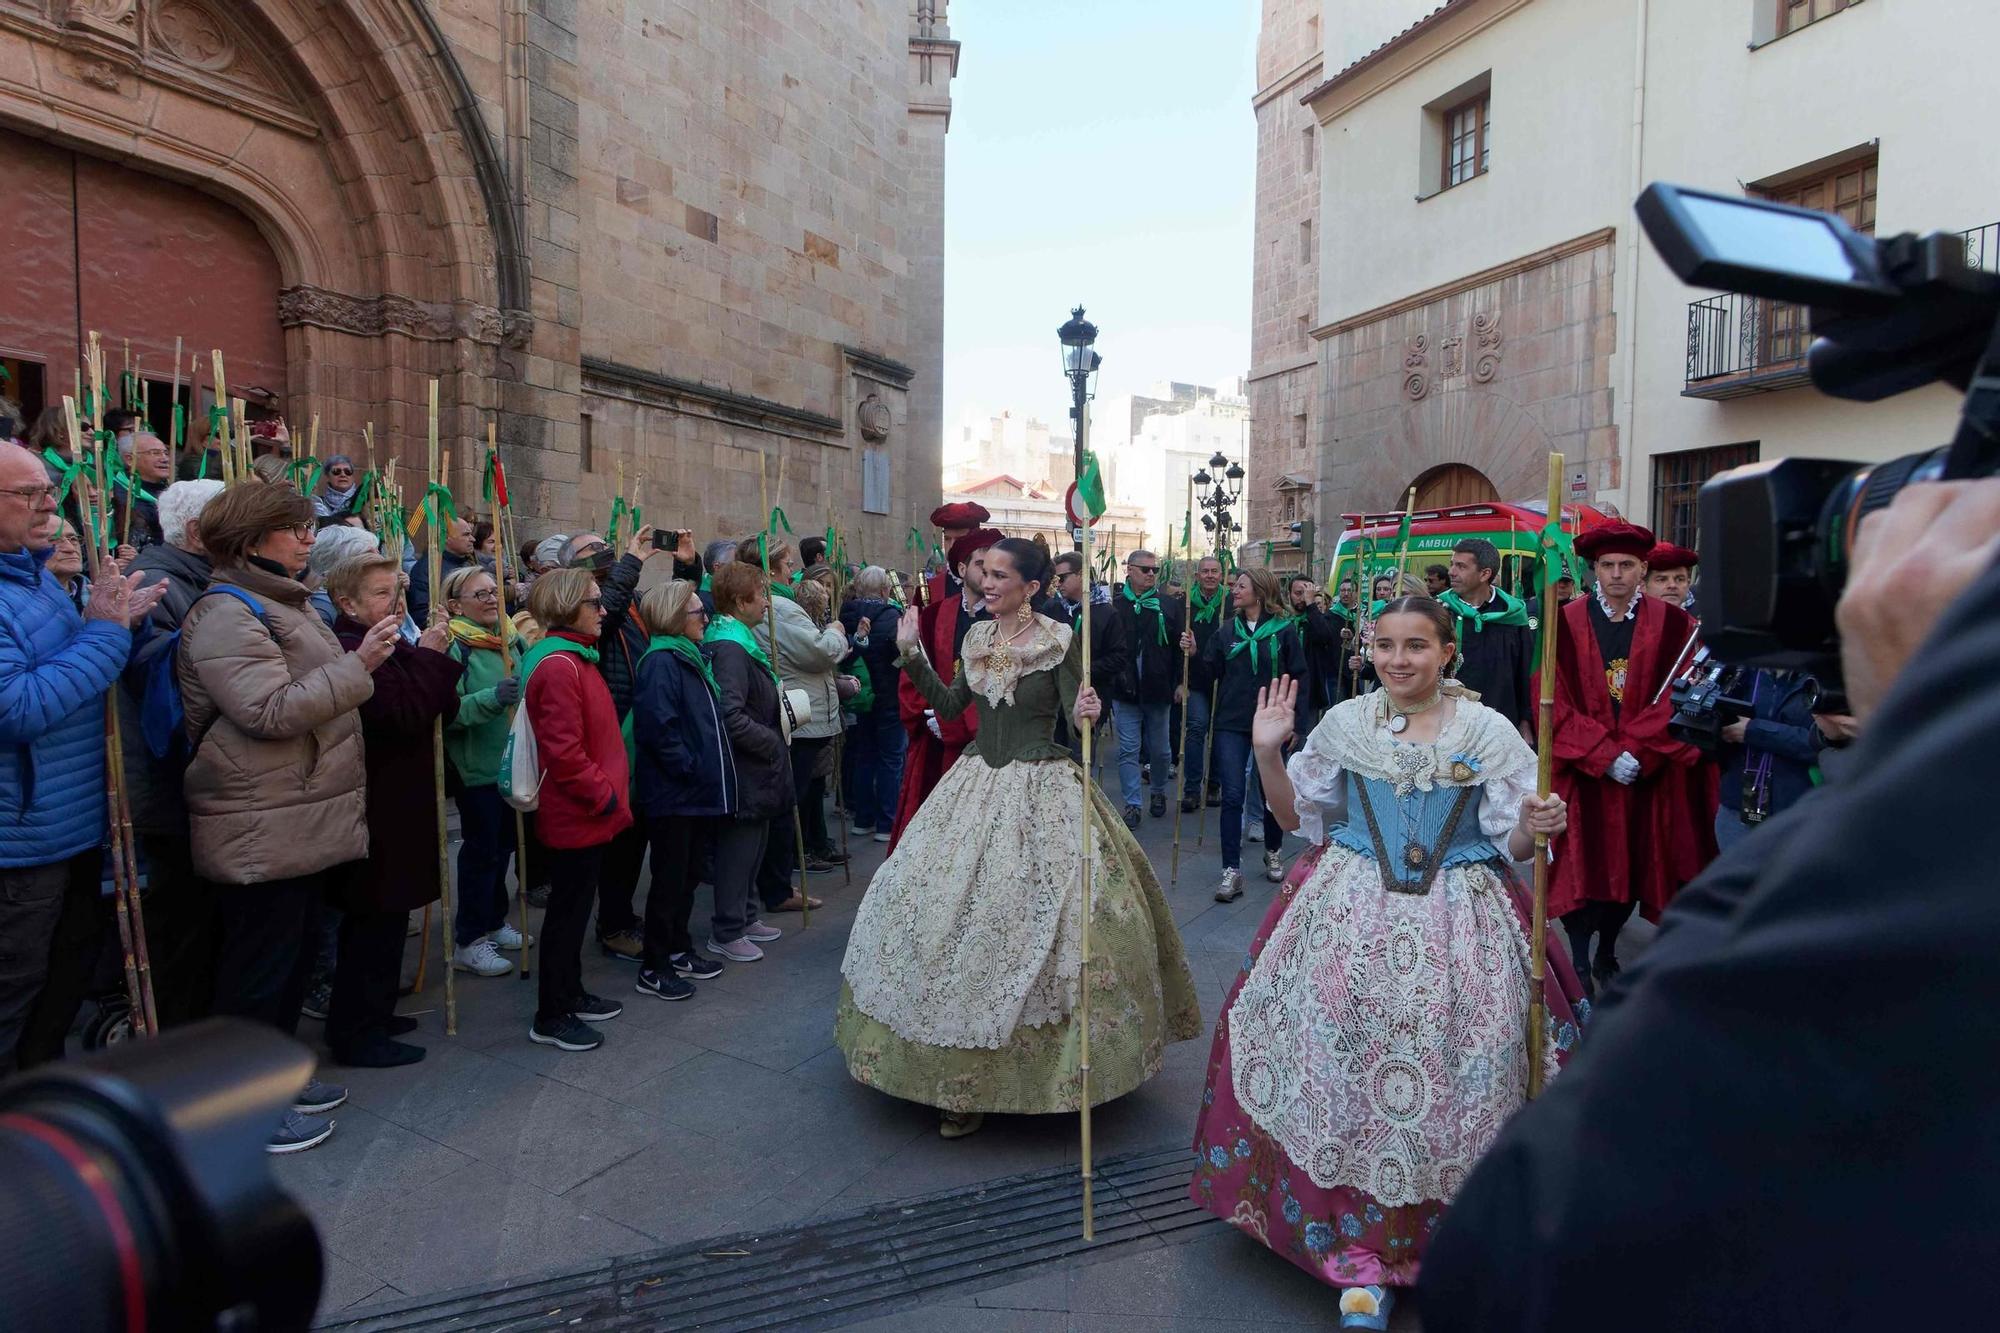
(1101, 153)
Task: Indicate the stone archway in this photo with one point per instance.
(1486, 434)
(336, 127)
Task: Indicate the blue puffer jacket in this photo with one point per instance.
(54, 670)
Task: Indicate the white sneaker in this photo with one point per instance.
(480, 956)
(881, 837)
(861, 830)
(1253, 832)
(1274, 867)
(507, 937)
(736, 951)
(1231, 887)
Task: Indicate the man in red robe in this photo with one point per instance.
(1635, 834)
(936, 742)
(1670, 580)
(953, 521)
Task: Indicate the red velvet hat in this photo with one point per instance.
(963, 514)
(1615, 539)
(1669, 556)
(971, 544)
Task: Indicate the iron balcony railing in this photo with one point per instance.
(1739, 344)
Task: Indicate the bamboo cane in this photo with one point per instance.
(1088, 734)
(771, 629)
(221, 386)
(1544, 767)
(839, 736)
(503, 524)
(440, 468)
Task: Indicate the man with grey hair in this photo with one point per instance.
(148, 467)
(1147, 682)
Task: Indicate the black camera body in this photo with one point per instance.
(1707, 698)
(1776, 538)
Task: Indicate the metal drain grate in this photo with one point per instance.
(833, 1272)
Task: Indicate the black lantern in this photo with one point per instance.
(1080, 365)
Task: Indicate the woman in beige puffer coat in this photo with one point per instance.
(275, 788)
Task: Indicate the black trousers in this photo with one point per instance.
(367, 977)
(618, 881)
(774, 876)
(1603, 920)
(680, 848)
(573, 877)
(268, 934)
(52, 922)
(182, 929)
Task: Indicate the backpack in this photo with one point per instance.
(162, 712)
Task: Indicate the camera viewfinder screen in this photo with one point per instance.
(1764, 238)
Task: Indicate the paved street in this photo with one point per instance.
(732, 1113)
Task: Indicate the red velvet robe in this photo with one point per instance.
(1646, 840)
(928, 757)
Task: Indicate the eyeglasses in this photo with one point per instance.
(1144, 569)
(483, 595)
(597, 602)
(34, 495)
(305, 532)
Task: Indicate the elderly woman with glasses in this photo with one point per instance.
(474, 740)
(340, 491)
(276, 791)
(584, 797)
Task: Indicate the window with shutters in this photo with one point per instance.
(1677, 482)
(1773, 19)
(1468, 140)
(1848, 192)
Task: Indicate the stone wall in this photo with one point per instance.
(1491, 372)
(1285, 269)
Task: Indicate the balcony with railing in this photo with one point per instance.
(1739, 345)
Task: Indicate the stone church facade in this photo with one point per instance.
(669, 240)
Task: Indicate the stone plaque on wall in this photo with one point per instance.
(874, 481)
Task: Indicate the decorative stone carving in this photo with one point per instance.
(372, 316)
(872, 415)
(98, 74)
(1419, 351)
(1486, 329)
(1486, 367)
(1453, 352)
(193, 35)
(1416, 385)
(1416, 356)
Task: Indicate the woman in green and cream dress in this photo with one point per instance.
(964, 966)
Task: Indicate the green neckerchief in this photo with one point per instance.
(783, 590)
(1248, 638)
(707, 581)
(1343, 610)
(683, 647)
(1512, 611)
(728, 629)
(548, 646)
(1206, 609)
(1148, 601)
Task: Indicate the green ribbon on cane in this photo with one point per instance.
(1558, 549)
(65, 470)
(778, 520)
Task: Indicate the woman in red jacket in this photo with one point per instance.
(584, 800)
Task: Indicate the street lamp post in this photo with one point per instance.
(1080, 365)
(1217, 489)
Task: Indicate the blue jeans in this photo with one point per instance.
(1232, 769)
(487, 823)
(1141, 726)
(1194, 750)
(878, 744)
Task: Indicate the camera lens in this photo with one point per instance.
(1860, 495)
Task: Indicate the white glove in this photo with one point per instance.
(930, 720)
(1625, 769)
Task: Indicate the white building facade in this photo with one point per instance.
(1484, 292)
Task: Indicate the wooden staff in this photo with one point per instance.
(771, 628)
(1538, 934)
(440, 468)
(840, 736)
(174, 413)
(1187, 625)
(124, 861)
(503, 524)
(1089, 735)
(221, 387)
(239, 413)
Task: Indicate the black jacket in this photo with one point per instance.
(750, 719)
(1201, 677)
(1500, 664)
(884, 675)
(686, 766)
(621, 640)
(1149, 666)
(1802, 1057)
(1238, 683)
(153, 786)
(420, 583)
(1322, 643)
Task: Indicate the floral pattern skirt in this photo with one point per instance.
(1142, 996)
(1341, 1234)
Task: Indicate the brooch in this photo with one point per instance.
(1464, 768)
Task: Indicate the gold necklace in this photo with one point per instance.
(1002, 654)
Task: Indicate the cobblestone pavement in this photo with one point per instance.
(496, 1159)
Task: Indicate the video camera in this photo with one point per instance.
(1707, 699)
(1776, 538)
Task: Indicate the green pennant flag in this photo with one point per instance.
(1090, 486)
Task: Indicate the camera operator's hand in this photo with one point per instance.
(1837, 728)
(1624, 769)
(1736, 731)
(1911, 561)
